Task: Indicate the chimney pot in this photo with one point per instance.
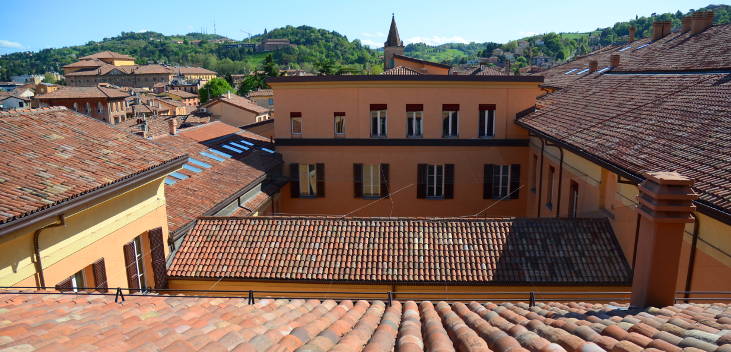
(593, 66)
(632, 33)
(173, 124)
(665, 204)
(614, 60)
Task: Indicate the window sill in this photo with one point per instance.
(307, 197)
(415, 137)
(379, 137)
(434, 198)
(370, 197)
(486, 137)
(340, 135)
(451, 137)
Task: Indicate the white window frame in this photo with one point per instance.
(335, 124)
(487, 115)
(371, 183)
(433, 182)
(500, 181)
(139, 263)
(308, 180)
(78, 281)
(417, 120)
(382, 125)
(291, 125)
(448, 114)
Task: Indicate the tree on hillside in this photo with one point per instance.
(49, 77)
(258, 79)
(214, 88)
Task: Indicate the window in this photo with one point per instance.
(487, 121)
(339, 123)
(296, 122)
(93, 276)
(549, 190)
(77, 281)
(378, 120)
(99, 107)
(76, 107)
(414, 115)
(88, 108)
(307, 180)
(370, 180)
(435, 181)
(139, 264)
(501, 181)
(450, 120)
(270, 101)
(20, 104)
(573, 199)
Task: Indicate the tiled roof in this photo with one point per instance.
(181, 93)
(420, 61)
(202, 190)
(645, 122)
(488, 71)
(84, 93)
(208, 131)
(261, 93)
(405, 250)
(169, 323)
(152, 69)
(107, 55)
(400, 70)
(86, 63)
(64, 154)
(192, 70)
(239, 102)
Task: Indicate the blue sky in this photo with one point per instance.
(34, 25)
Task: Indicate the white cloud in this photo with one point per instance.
(436, 40)
(371, 43)
(9, 44)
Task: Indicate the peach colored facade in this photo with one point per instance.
(234, 115)
(110, 110)
(602, 193)
(467, 152)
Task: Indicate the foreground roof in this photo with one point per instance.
(404, 250)
(648, 122)
(239, 102)
(84, 93)
(165, 323)
(64, 155)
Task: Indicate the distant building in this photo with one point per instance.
(35, 79)
(541, 61)
(273, 44)
(186, 98)
(236, 110)
(263, 98)
(9, 101)
(102, 102)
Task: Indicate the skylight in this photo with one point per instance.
(169, 181)
(191, 168)
(247, 142)
(239, 146)
(267, 150)
(582, 71)
(642, 46)
(626, 48)
(220, 153)
(232, 148)
(604, 69)
(178, 175)
(198, 163)
(214, 157)
(571, 70)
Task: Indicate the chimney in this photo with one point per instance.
(632, 32)
(660, 29)
(593, 65)
(667, 27)
(173, 124)
(700, 21)
(665, 206)
(686, 23)
(614, 60)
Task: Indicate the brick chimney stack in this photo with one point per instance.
(700, 21)
(614, 60)
(593, 66)
(686, 23)
(665, 206)
(660, 29)
(632, 32)
(173, 124)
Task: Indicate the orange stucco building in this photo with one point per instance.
(427, 141)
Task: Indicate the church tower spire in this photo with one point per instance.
(392, 46)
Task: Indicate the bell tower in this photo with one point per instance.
(392, 46)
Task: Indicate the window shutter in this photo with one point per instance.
(448, 181)
(490, 122)
(421, 181)
(384, 181)
(294, 180)
(100, 275)
(320, 169)
(482, 118)
(358, 180)
(514, 181)
(487, 182)
(64, 285)
(157, 252)
(129, 263)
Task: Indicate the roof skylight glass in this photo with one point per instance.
(169, 181)
(198, 163)
(582, 71)
(239, 146)
(247, 142)
(178, 175)
(625, 48)
(232, 149)
(604, 69)
(219, 153)
(267, 150)
(642, 46)
(571, 70)
(212, 156)
(191, 168)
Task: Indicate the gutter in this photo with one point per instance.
(93, 195)
(703, 205)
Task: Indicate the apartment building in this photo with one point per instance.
(417, 145)
(102, 101)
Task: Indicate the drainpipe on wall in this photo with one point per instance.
(37, 252)
(540, 179)
(691, 260)
(637, 238)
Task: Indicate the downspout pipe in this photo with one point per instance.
(540, 179)
(691, 260)
(37, 251)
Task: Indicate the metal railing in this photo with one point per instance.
(530, 297)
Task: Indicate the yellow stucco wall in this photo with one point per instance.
(94, 232)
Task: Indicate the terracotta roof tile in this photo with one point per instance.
(170, 323)
(64, 154)
(84, 93)
(400, 71)
(387, 250)
(181, 93)
(261, 93)
(107, 55)
(240, 102)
